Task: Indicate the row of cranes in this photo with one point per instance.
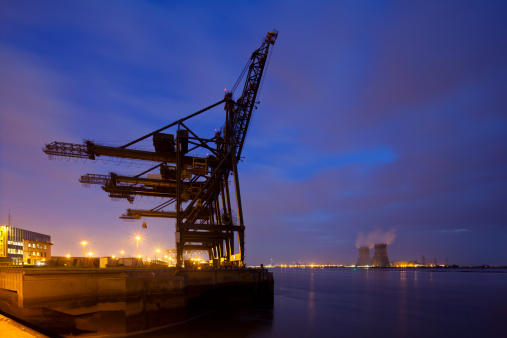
(195, 189)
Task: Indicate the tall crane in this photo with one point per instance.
(197, 186)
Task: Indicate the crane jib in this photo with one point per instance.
(240, 112)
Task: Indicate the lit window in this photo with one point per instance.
(37, 246)
(44, 247)
(38, 254)
(29, 245)
(33, 253)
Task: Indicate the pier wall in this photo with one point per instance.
(114, 301)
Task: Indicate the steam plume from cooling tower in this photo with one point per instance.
(377, 236)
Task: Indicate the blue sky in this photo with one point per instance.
(374, 118)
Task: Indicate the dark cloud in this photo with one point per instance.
(373, 116)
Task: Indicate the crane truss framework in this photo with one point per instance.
(198, 187)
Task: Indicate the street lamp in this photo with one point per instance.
(122, 252)
(83, 243)
(90, 254)
(137, 244)
(158, 251)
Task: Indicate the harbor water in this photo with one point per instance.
(347, 302)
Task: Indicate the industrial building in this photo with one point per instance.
(24, 246)
(405, 264)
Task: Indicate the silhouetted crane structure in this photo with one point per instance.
(198, 187)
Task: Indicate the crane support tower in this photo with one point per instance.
(195, 187)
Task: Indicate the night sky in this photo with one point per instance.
(378, 121)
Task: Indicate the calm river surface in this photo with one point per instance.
(344, 302)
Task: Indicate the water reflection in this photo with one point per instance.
(234, 323)
(362, 303)
(403, 305)
(311, 301)
(385, 302)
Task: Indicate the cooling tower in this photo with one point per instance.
(364, 256)
(380, 258)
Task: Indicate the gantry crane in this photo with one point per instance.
(197, 186)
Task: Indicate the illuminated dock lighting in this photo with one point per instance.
(83, 243)
(138, 238)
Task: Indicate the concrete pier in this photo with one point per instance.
(11, 328)
(91, 302)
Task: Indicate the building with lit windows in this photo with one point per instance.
(24, 246)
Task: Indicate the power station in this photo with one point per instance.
(364, 256)
(380, 258)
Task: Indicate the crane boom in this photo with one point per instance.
(240, 112)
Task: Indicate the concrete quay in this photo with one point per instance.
(12, 329)
(88, 302)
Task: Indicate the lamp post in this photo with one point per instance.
(83, 243)
(137, 244)
(158, 251)
(122, 252)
